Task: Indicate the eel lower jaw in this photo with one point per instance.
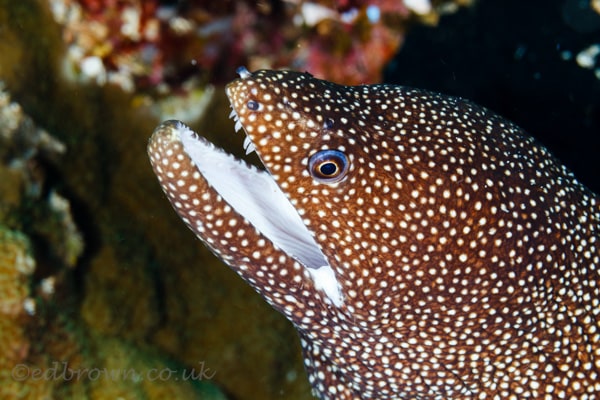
(254, 195)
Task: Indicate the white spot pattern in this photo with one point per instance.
(468, 255)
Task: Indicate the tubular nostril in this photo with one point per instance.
(243, 72)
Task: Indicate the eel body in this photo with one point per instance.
(423, 247)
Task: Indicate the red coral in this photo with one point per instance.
(149, 44)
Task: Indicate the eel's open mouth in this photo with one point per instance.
(254, 194)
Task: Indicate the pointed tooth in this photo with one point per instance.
(250, 148)
(238, 125)
(248, 145)
(247, 142)
(232, 114)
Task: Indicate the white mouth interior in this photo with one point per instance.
(254, 194)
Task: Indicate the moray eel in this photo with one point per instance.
(422, 246)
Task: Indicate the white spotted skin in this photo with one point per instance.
(467, 255)
(228, 235)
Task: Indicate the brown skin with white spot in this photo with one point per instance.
(467, 255)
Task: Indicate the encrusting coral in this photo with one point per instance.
(117, 278)
(16, 268)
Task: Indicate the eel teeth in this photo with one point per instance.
(238, 125)
(248, 145)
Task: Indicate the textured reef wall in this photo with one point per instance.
(96, 271)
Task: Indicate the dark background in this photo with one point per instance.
(506, 56)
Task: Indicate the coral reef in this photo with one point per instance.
(16, 268)
(20, 138)
(25, 199)
(583, 17)
(119, 282)
(158, 46)
(118, 370)
(43, 343)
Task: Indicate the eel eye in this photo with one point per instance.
(253, 105)
(328, 166)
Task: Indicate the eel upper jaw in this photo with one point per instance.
(254, 194)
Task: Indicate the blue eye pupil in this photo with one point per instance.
(252, 105)
(328, 168)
